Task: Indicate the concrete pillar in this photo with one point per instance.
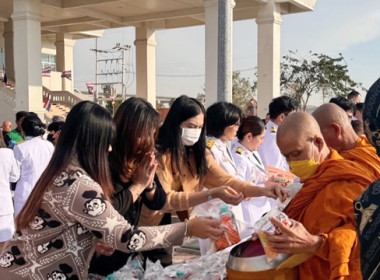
(268, 54)
(64, 59)
(27, 49)
(146, 64)
(8, 50)
(211, 51)
(2, 35)
(225, 21)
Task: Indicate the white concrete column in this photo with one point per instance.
(8, 50)
(27, 55)
(268, 54)
(65, 58)
(211, 51)
(146, 64)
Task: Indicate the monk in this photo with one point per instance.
(338, 133)
(322, 211)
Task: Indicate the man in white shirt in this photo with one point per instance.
(270, 154)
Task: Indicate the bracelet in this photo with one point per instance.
(152, 188)
(187, 229)
(209, 196)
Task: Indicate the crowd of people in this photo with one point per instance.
(92, 190)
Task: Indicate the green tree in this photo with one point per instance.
(317, 74)
(242, 91)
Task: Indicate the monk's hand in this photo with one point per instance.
(294, 239)
(103, 249)
(227, 194)
(275, 190)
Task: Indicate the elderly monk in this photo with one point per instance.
(367, 206)
(338, 133)
(322, 211)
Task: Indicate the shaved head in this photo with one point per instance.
(299, 138)
(329, 113)
(299, 124)
(336, 127)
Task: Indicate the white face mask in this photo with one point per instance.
(190, 136)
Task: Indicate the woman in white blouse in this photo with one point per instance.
(9, 172)
(32, 157)
(249, 165)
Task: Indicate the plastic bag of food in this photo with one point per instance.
(133, 269)
(231, 234)
(264, 227)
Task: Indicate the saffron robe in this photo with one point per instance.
(324, 206)
(365, 155)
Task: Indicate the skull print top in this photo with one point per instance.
(73, 216)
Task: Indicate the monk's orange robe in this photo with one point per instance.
(324, 206)
(365, 155)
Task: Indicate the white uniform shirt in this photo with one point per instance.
(251, 169)
(32, 156)
(269, 151)
(223, 157)
(9, 172)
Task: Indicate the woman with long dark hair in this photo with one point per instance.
(32, 157)
(185, 167)
(69, 209)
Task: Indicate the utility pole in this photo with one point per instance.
(110, 72)
(122, 49)
(96, 50)
(96, 72)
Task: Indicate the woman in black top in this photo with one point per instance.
(133, 167)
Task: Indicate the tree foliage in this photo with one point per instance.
(242, 91)
(318, 74)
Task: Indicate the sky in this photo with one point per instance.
(350, 27)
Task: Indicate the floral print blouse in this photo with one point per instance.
(74, 215)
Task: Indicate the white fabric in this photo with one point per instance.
(251, 169)
(269, 151)
(7, 227)
(9, 172)
(223, 157)
(32, 156)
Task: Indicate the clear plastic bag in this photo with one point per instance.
(133, 269)
(264, 227)
(231, 234)
(153, 271)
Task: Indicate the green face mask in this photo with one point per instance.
(304, 169)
